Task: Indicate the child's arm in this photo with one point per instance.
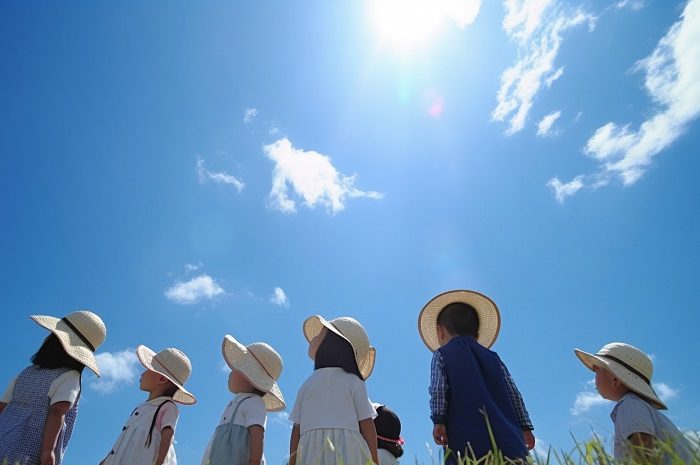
(643, 448)
(257, 434)
(2, 406)
(166, 437)
(294, 444)
(369, 432)
(53, 425)
(516, 400)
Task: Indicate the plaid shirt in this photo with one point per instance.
(438, 394)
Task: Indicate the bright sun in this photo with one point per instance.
(405, 24)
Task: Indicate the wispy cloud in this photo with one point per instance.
(249, 115)
(631, 4)
(586, 400)
(537, 26)
(665, 392)
(564, 190)
(279, 297)
(310, 175)
(281, 419)
(672, 80)
(462, 12)
(194, 290)
(218, 177)
(192, 267)
(545, 125)
(116, 369)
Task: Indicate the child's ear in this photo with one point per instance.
(163, 380)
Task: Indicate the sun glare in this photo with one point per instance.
(405, 24)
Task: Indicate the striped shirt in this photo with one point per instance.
(439, 386)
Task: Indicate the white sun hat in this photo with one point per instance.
(260, 364)
(80, 333)
(174, 365)
(352, 331)
(486, 311)
(628, 364)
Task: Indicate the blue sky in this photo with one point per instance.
(234, 167)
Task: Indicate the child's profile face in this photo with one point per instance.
(607, 385)
(316, 342)
(150, 380)
(238, 383)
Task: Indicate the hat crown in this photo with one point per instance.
(90, 326)
(355, 333)
(267, 357)
(175, 363)
(629, 355)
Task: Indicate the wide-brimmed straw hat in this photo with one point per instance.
(174, 365)
(486, 311)
(352, 331)
(628, 364)
(80, 333)
(260, 364)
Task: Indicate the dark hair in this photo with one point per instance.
(388, 425)
(171, 390)
(51, 354)
(334, 351)
(459, 319)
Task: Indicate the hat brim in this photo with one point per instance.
(315, 324)
(71, 342)
(486, 310)
(146, 357)
(239, 357)
(626, 377)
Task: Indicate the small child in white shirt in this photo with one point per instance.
(255, 369)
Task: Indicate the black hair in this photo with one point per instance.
(334, 351)
(459, 319)
(51, 354)
(388, 425)
(171, 389)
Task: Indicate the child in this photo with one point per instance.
(39, 408)
(468, 382)
(147, 437)
(389, 440)
(255, 369)
(642, 433)
(332, 415)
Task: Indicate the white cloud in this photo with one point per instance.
(541, 449)
(312, 176)
(116, 369)
(279, 297)
(631, 4)
(192, 267)
(194, 290)
(564, 190)
(462, 12)
(249, 115)
(665, 392)
(545, 125)
(280, 418)
(219, 178)
(537, 26)
(586, 400)
(672, 80)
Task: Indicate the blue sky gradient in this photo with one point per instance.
(124, 135)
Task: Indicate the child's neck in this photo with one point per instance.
(154, 395)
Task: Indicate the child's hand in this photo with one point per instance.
(48, 457)
(529, 439)
(440, 435)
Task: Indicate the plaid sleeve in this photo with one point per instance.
(438, 389)
(517, 400)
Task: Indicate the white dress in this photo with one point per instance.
(131, 449)
(328, 408)
(386, 457)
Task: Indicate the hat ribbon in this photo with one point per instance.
(78, 333)
(166, 369)
(399, 441)
(625, 365)
(261, 365)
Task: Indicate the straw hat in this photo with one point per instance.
(352, 331)
(174, 365)
(80, 333)
(261, 364)
(628, 364)
(486, 310)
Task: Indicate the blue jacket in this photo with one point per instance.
(476, 385)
